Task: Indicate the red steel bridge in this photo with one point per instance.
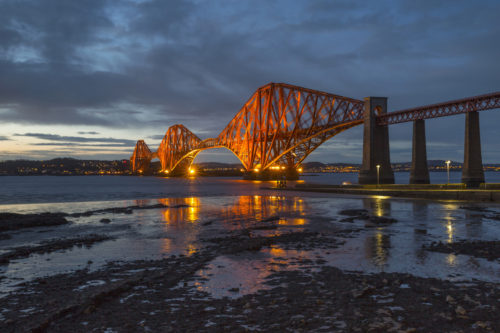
(281, 124)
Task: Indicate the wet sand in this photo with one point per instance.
(254, 263)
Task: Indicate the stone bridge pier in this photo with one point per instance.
(419, 173)
(376, 167)
(472, 169)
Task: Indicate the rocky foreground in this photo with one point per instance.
(300, 294)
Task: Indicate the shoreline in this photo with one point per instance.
(432, 192)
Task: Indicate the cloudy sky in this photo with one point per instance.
(87, 79)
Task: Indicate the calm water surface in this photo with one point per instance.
(37, 189)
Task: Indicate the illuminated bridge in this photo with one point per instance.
(281, 124)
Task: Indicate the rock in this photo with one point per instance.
(450, 299)
(460, 311)
(410, 330)
(481, 324)
(89, 309)
(470, 300)
(363, 292)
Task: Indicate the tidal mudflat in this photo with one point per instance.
(269, 262)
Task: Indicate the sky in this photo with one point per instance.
(87, 79)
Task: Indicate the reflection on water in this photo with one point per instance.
(248, 273)
(379, 205)
(286, 210)
(451, 260)
(449, 222)
(377, 248)
(180, 209)
(420, 210)
(473, 225)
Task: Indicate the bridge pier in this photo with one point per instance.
(472, 170)
(375, 145)
(419, 173)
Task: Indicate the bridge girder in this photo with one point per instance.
(282, 124)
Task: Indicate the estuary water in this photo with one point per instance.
(38, 189)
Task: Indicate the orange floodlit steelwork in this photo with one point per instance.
(141, 157)
(281, 124)
(178, 145)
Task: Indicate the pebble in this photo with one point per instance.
(460, 311)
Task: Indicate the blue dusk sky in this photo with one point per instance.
(86, 79)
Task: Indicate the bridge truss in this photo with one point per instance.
(281, 124)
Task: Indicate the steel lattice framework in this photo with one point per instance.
(178, 144)
(282, 124)
(141, 157)
(471, 104)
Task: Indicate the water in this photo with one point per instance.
(229, 205)
(37, 189)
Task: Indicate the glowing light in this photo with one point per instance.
(450, 230)
(282, 168)
(166, 171)
(299, 169)
(192, 171)
(381, 197)
(451, 259)
(448, 169)
(276, 251)
(256, 170)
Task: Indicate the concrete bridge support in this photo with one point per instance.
(375, 145)
(419, 173)
(472, 170)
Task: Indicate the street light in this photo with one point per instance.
(448, 170)
(378, 174)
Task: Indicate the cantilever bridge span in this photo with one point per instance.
(281, 124)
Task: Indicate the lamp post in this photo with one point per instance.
(378, 175)
(448, 170)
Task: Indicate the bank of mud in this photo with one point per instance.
(285, 256)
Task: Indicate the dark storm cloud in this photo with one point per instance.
(3, 138)
(155, 63)
(89, 132)
(73, 144)
(156, 137)
(61, 138)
